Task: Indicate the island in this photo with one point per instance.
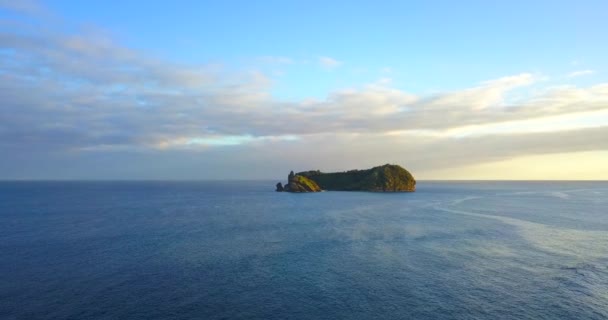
(386, 178)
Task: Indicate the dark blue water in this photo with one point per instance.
(238, 250)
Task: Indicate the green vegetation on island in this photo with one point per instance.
(386, 178)
(298, 183)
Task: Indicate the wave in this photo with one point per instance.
(581, 244)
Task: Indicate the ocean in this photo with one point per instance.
(239, 250)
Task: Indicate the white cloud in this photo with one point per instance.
(564, 122)
(329, 63)
(575, 62)
(580, 73)
(276, 60)
(488, 94)
(86, 92)
(386, 70)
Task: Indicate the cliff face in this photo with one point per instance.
(386, 178)
(298, 183)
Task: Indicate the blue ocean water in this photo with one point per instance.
(239, 250)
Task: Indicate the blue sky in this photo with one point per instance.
(112, 84)
(423, 47)
(228, 29)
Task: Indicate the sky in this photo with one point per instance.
(253, 89)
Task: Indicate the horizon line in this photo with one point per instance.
(271, 179)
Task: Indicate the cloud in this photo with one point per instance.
(275, 60)
(386, 70)
(488, 94)
(28, 7)
(69, 96)
(580, 73)
(329, 63)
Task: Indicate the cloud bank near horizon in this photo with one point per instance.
(80, 96)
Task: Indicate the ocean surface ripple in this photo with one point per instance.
(239, 250)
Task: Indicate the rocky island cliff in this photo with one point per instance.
(386, 178)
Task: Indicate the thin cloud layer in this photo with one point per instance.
(27, 7)
(329, 63)
(580, 73)
(85, 93)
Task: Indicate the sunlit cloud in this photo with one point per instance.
(85, 93)
(221, 140)
(574, 121)
(488, 94)
(580, 73)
